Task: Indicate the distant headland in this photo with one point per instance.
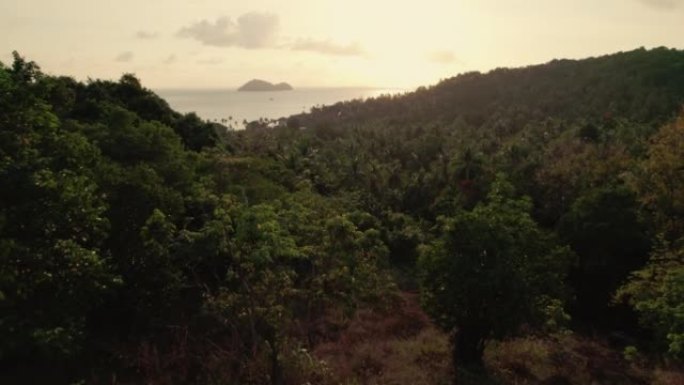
(262, 85)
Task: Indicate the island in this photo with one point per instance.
(262, 85)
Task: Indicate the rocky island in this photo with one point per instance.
(262, 85)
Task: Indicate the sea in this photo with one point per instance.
(233, 108)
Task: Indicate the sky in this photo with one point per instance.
(321, 43)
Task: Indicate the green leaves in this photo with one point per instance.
(656, 291)
(117, 219)
(657, 294)
(492, 267)
(260, 239)
(660, 179)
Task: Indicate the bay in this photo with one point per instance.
(232, 107)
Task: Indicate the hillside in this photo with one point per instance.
(582, 139)
(640, 85)
(520, 226)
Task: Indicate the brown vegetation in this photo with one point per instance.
(398, 346)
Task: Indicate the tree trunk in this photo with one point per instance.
(468, 348)
(276, 369)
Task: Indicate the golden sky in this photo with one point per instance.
(311, 43)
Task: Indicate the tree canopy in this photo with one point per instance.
(142, 245)
(490, 271)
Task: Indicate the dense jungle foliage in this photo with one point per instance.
(141, 245)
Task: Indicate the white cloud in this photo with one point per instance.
(663, 4)
(124, 56)
(170, 59)
(252, 30)
(328, 47)
(211, 61)
(442, 57)
(146, 35)
(255, 30)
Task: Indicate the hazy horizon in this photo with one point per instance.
(217, 44)
(220, 104)
(221, 88)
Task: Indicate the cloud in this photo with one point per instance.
(252, 30)
(442, 57)
(256, 30)
(663, 4)
(170, 59)
(211, 61)
(145, 35)
(328, 47)
(124, 56)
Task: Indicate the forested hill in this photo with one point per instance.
(538, 214)
(641, 85)
(535, 123)
(592, 147)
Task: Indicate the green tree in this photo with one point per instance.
(659, 180)
(52, 225)
(260, 284)
(604, 229)
(656, 291)
(490, 271)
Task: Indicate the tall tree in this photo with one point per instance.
(490, 271)
(656, 291)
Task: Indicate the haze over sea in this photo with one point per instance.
(235, 106)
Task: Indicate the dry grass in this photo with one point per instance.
(668, 377)
(568, 359)
(396, 347)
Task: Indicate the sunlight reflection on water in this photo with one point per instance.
(231, 107)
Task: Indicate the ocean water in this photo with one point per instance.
(232, 107)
